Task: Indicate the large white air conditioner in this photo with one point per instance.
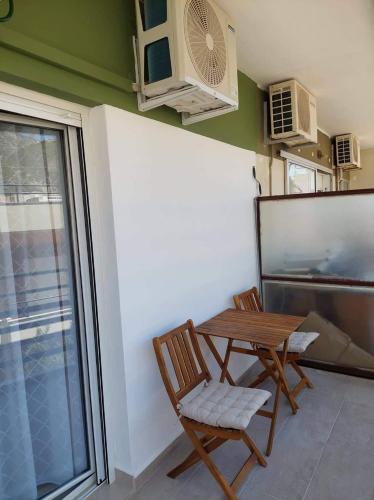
(347, 151)
(186, 58)
(293, 113)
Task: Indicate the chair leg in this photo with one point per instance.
(244, 471)
(251, 445)
(254, 457)
(194, 457)
(301, 374)
(229, 491)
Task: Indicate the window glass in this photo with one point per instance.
(301, 179)
(323, 182)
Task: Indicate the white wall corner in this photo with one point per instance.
(107, 288)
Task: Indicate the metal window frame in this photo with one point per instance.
(78, 224)
(310, 165)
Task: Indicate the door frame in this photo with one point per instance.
(77, 226)
(28, 103)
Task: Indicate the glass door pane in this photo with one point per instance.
(45, 430)
(323, 182)
(301, 179)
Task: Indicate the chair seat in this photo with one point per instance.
(299, 341)
(223, 405)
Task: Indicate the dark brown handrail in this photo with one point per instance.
(315, 195)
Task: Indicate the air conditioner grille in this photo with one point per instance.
(303, 108)
(205, 41)
(282, 111)
(344, 151)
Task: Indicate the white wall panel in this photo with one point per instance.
(183, 209)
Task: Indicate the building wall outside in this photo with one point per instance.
(270, 174)
(320, 153)
(363, 178)
(82, 52)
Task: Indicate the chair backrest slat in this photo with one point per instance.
(175, 361)
(249, 300)
(181, 360)
(191, 359)
(186, 358)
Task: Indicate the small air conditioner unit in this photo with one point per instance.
(186, 58)
(347, 151)
(293, 113)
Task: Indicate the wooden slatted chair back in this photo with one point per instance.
(249, 300)
(186, 358)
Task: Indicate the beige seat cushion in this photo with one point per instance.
(299, 341)
(222, 405)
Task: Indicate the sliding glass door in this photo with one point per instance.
(50, 428)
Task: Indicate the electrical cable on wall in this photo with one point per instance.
(259, 187)
(10, 11)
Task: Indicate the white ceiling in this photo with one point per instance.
(328, 45)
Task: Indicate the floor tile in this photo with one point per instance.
(325, 452)
(161, 487)
(297, 450)
(360, 391)
(345, 471)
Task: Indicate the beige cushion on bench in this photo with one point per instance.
(222, 405)
(299, 341)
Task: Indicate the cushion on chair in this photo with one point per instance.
(223, 405)
(299, 341)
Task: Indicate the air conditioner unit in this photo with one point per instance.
(293, 113)
(347, 151)
(186, 58)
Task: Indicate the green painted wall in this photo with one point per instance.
(81, 50)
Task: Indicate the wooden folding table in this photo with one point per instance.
(264, 332)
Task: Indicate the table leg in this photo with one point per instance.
(226, 361)
(273, 419)
(282, 381)
(280, 365)
(218, 358)
(270, 371)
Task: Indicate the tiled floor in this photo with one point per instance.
(325, 452)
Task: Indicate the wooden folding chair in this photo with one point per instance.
(299, 341)
(190, 370)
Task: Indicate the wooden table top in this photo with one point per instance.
(264, 328)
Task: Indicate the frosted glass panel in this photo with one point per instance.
(331, 237)
(344, 317)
